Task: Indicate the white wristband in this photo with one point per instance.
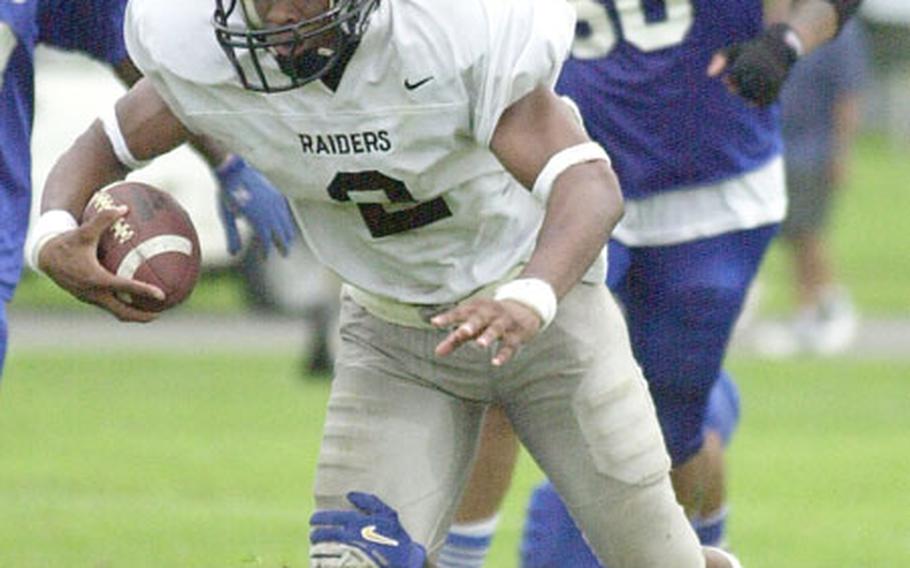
(793, 40)
(49, 225)
(533, 293)
(563, 160)
(118, 143)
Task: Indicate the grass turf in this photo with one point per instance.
(121, 459)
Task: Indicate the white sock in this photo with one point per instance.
(467, 544)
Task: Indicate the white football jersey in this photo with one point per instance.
(391, 174)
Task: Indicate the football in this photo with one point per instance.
(155, 242)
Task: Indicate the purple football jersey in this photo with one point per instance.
(638, 74)
(94, 27)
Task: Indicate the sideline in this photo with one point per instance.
(887, 339)
(178, 331)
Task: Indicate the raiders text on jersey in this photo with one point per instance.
(346, 143)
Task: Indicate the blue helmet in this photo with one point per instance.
(254, 48)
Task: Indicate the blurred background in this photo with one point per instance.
(191, 441)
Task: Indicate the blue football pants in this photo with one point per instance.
(681, 304)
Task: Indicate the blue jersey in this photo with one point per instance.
(94, 27)
(638, 74)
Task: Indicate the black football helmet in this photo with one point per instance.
(252, 47)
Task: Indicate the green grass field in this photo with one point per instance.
(114, 460)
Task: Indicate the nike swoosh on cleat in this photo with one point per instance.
(411, 86)
(369, 533)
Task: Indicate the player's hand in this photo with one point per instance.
(756, 69)
(371, 535)
(71, 260)
(245, 192)
(507, 324)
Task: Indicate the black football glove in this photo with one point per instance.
(757, 69)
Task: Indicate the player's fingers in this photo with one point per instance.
(91, 231)
(492, 333)
(264, 238)
(465, 331)
(280, 245)
(447, 318)
(119, 285)
(509, 345)
(328, 534)
(229, 222)
(718, 64)
(334, 518)
(285, 218)
(289, 235)
(233, 235)
(122, 310)
(369, 503)
(281, 232)
(448, 345)
(460, 313)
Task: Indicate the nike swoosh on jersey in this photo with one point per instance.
(411, 86)
(369, 533)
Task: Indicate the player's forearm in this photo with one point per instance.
(208, 149)
(148, 126)
(814, 21)
(86, 166)
(211, 151)
(140, 128)
(582, 211)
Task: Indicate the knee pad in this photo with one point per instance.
(621, 429)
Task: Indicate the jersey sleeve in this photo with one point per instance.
(134, 40)
(527, 42)
(141, 30)
(93, 27)
(173, 44)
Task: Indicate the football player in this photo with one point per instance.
(821, 110)
(702, 175)
(436, 171)
(94, 28)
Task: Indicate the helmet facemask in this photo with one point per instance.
(303, 51)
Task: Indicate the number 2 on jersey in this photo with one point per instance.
(371, 189)
(598, 28)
